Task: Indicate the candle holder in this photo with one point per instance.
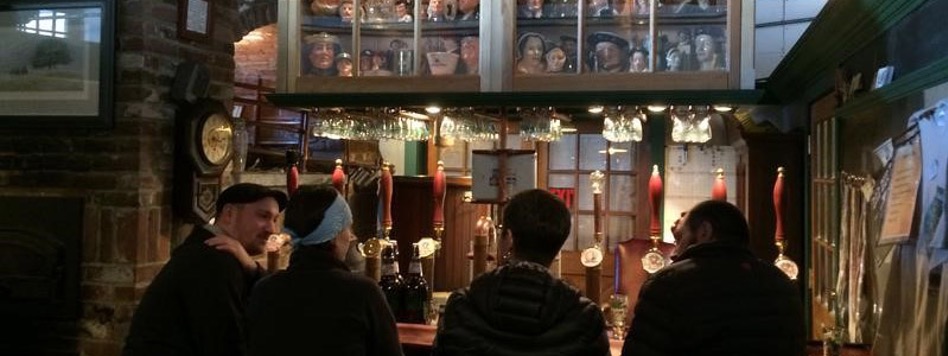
(617, 310)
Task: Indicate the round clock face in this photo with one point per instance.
(217, 139)
(653, 261)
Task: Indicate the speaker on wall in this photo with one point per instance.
(191, 82)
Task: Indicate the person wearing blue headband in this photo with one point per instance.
(316, 305)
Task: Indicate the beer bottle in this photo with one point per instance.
(391, 282)
(416, 292)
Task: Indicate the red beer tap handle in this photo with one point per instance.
(440, 190)
(719, 187)
(292, 173)
(655, 201)
(339, 178)
(779, 205)
(385, 191)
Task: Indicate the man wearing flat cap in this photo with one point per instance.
(321, 54)
(195, 305)
(610, 52)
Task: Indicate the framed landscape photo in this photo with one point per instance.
(56, 63)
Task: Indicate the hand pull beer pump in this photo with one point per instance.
(428, 247)
(784, 263)
(654, 260)
(592, 256)
(372, 249)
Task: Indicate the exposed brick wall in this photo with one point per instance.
(255, 57)
(124, 174)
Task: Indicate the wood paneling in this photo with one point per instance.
(431, 84)
(412, 208)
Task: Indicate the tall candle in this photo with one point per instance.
(616, 277)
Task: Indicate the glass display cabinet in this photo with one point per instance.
(338, 46)
(436, 46)
(626, 45)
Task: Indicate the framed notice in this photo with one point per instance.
(520, 175)
(903, 190)
(195, 20)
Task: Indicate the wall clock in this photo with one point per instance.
(204, 147)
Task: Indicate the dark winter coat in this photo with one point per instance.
(520, 309)
(195, 304)
(318, 307)
(717, 299)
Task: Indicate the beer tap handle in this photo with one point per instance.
(385, 192)
(440, 190)
(655, 203)
(339, 178)
(719, 187)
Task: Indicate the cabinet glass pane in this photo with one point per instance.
(592, 152)
(692, 35)
(563, 153)
(621, 193)
(546, 37)
(450, 42)
(584, 193)
(620, 229)
(326, 38)
(622, 161)
(562, 181)
(586, 231)
(617, 36)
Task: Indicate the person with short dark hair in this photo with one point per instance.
(716, 298)
(195, 305)
(316, 305)
(520, 308)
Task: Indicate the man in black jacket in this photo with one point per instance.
(519, 308)
(716, 298)
(195, 305)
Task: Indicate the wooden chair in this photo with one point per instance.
(632, 275)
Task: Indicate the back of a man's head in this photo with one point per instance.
(727, 221)
(539, 224)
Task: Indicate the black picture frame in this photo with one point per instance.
(195, 20)
(57, 63)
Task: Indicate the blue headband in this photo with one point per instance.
(336, 218)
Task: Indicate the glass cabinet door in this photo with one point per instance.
(692, 36)
(622, 45)
(403, 40)
(326, 38)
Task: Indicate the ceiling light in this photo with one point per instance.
(723, 108)
(595, 109)
(568, 129)
(657, 108)
(433, 109)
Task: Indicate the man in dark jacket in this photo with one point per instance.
(195, 304)
(716, 298)
(519, 308)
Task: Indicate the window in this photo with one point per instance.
(47, 23)
(572, 159)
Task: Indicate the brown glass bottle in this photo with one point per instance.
(416, 292)
(391, 283)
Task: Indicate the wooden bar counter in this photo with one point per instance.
(416, 339)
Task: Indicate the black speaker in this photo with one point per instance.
(191, 82)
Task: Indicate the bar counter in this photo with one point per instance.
(416, 339)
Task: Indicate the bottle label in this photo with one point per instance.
(414, 267)
(389, 269)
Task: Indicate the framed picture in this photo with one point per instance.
(56, 63)
(195, 20)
